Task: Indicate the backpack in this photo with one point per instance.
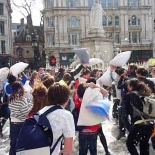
(36, 136)
(148, 106)
(75, 114)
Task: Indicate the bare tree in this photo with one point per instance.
(25, 7)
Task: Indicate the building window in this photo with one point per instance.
(117, 38)
(28, 38)
(3, 47)
(104, 20)
(73, 39)
(50, 40)
(134, 20)
(134, 37)
(109, 3)
(50, 21)
(1, 9)
(110, 21)
(132, 3)
(2, 32)
(90, 3)
(103, 3)
(115, 3)
(116, 20)
(73, 22)
(51, 3)
(71, 3)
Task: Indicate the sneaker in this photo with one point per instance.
(121, 134)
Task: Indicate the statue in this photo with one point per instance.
(96, 16)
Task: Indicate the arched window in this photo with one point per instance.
(103, 3)
(134, 20)
(73, 22)
(90, 3)
(109, 3)
(109, 20)
(104, 20)
(116, 20)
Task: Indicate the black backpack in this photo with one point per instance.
(36, 136)
(75, 114)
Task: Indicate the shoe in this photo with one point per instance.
(108, 153)
(121, 134)
(1, 135)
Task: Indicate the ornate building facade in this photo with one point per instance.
(129, 23)
(6, 47)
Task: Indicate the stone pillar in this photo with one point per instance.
(142, 2)
(147, 27)
(55, 3)
(125, 2)
(82, 26)
(143, 26)
(121, 2)
(56, 28)
(122, 26)
(65, 29)
(82, 2)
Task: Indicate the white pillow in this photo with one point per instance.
(121, 59)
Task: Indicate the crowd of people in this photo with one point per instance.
(48, 88)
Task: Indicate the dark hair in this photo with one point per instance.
(81, 89)
(49, 81)
(58, 94)
(11, 79)
(95, 71)
(91, 79)
(142, 71)
(139, 86)
(85, 72)
(17, 91)
(120, 71)
(39, 97)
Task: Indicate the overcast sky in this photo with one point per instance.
(36, 16)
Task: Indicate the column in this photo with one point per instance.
(56, 29)
(82, 26)
(147, 27)
(81, 2)
(55, 2)
(150, 27)
(126, 29)
(121, 2)
(122, 23)
(65, 29)
(142, 2)
(143, 26)
(125, 2)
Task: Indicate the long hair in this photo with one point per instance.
(17, 91)
(139, 86)
(39, 97)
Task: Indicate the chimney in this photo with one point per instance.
(22, 22)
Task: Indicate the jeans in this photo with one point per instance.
(87, 142)
(14, 132)
(139, 133)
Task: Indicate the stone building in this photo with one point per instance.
(28, 44)
(6, 47)
(129, 24)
